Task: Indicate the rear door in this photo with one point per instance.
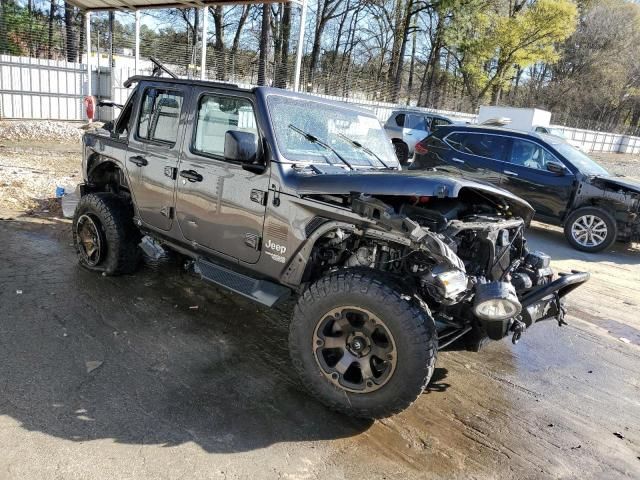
(154, 150)
(414, 130)
(220, 205)
(477, 156)
(527, 176)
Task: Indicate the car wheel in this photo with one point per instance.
(402, 152)
(105, 238)
(360, 346)
(590, 229)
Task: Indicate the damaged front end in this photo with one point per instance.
(464, 258)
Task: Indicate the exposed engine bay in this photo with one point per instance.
(466, 260)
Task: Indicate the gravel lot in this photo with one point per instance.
(160, 376)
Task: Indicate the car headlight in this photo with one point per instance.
(451, 283)
(496, 301)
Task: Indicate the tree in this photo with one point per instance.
(326, 10)
(52, 14)
(492, 38)
(264, 45)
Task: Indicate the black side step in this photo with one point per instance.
(262, 291)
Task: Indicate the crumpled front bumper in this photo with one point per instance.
(546, 301)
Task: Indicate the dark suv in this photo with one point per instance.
(270, 193)
(564, 185)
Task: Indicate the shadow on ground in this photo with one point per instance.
(153, 358)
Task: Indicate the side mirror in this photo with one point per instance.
(557, 168)
(240, 147)
(108, 126)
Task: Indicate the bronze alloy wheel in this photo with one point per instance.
(354, 349)
(90, 239)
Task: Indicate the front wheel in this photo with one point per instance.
(360, 346)
(590, 229)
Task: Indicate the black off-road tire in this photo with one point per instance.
(402, 152)
(113, 216)
(600, 215)
(410, 324)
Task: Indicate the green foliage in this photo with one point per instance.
(491, 39)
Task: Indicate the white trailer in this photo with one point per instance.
(520, 118)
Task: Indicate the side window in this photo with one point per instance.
(400, 120)
(439, 122)
(486, 145)
(530, 155)
(455, 141)
(123, 124)
(218, 114)
(160, 115)
(415, 122)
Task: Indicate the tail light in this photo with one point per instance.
(421, 147)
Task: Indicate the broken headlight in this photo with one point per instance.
(449, 284)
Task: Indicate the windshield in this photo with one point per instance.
(557, 132)
(581, 161)
(355, 137)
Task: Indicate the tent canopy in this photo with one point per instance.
(97, 5)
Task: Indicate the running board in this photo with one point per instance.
(262, 291)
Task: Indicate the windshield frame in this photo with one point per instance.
(390, 159)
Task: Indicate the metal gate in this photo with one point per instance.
(32, 88)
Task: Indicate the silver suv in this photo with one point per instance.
(407, 127)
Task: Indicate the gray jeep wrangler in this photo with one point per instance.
(271, 193)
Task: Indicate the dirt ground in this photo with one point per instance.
(158, 375)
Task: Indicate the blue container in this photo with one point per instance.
(59, 192)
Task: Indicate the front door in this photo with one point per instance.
(527, 176)
(220, 205)
(153, 153)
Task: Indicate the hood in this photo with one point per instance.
(618, 183)
(405, 183)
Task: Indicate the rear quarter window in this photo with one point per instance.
(494, 147)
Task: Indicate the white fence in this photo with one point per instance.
(593, 141)
(47, 89)
(32, 88)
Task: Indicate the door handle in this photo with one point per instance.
(191, 175)
(138, 160)
(509, 172)
(457, 160)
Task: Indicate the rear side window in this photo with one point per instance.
(218, 114)
(160, 115)
(530, 155)
(400, 120)
(483, 145)
(439, 122)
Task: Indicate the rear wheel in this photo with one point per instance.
(361, 346)
(402, 152)
(104, 235)
(590, 229)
